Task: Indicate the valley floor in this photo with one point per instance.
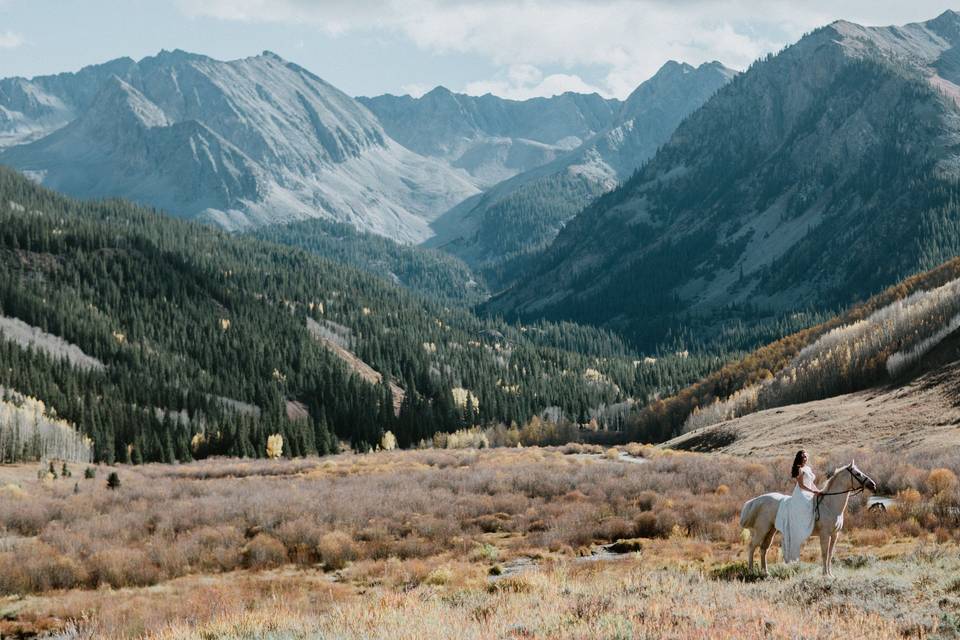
(498, 543)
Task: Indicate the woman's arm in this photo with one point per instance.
(803, 486)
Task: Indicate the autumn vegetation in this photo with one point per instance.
(496, 527)
(895, 326)
(29, 430)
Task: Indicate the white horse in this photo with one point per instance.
(759, 514)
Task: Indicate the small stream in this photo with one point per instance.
(624, 457)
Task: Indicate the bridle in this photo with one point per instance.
(853, 492)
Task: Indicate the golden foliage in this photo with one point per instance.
(274, 446)
(388, 442)
(941, 481)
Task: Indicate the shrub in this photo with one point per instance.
(36, 568)
(264, 551)
(122, 567)
(646, 525)
(857, 561)
(439, 576)
(941, 481)
(301, 537)
(113, 480)
(90, 473)
(213, 548)
(511, 584)
(738, 571)
(336, 549)
(485, 553)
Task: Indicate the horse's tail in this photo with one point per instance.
(748, 514)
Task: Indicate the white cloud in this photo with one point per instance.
(523, 81)
(415, 89)
(623, 42)
(10, 40)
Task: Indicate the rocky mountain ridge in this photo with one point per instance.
(815, 178)
(240, 143)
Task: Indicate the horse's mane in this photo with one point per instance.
(835, 474)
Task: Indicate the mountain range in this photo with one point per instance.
(240, 143)
(814, 178)
(261, 141)
(492, 138)
(708, 213)
(811, 180)
(526, 211)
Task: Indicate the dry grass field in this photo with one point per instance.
(497, 543)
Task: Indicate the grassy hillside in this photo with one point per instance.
(868, 344)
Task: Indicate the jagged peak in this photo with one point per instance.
(668, 71)
(674, 67)
(270, 55)
(172, 56)
(438, 91)
(947, 24)
(716, 65)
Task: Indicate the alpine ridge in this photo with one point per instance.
(240, 143)
(815, 178)
(489, 137)
(525, 212)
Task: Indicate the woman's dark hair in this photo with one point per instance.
(797, 463)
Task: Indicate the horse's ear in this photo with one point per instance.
(852, 463)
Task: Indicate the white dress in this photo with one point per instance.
(795, 517)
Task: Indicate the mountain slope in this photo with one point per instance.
(240, 143)
(919, 415)
(913, 408)
(429, 272)
(201, 341)
(32, 108)
(489, 137)
(527, 211)
(815, 178)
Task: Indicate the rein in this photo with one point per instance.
(853, 492)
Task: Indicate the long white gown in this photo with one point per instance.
(795, 517)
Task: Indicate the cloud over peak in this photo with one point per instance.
(10, 40)
(614, 44)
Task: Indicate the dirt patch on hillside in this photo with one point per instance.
(922, 414)
(362, 369)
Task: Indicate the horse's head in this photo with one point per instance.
(860, 477)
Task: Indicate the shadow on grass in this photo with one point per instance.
(739, 572)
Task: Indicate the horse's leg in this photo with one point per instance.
(764, 545)
(751, 546)
(833, 549)
(825, 551)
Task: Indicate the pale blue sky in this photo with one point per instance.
(514, 48)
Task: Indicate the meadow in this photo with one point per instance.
(561, 542)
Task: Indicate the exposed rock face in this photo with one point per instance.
(241, 143)
(528, 210)
(489, 137)
(816, 177)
